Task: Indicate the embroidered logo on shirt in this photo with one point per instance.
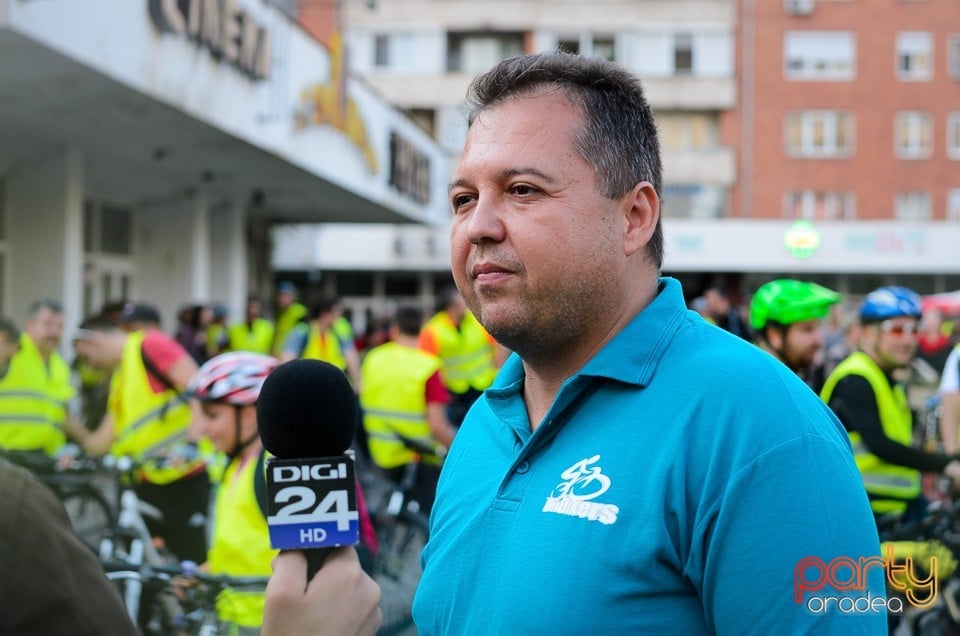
(573, 496)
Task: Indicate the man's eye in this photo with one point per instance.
(523, 190)
(461, 200)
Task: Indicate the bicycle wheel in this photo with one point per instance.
(397, 570)
(89, 514)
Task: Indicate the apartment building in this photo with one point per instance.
(421, 55)
(807, 138)
(848, 110)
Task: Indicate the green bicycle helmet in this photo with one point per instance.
(787, 301)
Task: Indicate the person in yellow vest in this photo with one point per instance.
(148, 419)
(227, 388)
(319, 340)
(470, 356)
(873, 406)
(36, 390)
(289, 314)
(403, 395)
(9, 344)
(254, 333)
(217, 337)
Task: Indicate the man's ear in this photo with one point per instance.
(775, 337)
(641, 210)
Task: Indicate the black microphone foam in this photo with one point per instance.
(307, 408)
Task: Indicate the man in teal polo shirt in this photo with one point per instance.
(632, 469)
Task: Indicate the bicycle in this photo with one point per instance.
(195, 595)
(936, 534)
(402, 528)
(76, 484)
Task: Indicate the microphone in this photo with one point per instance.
(306, 416)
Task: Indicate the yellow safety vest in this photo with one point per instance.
(466, 353)
(880, 479)
(240, 543)
(33, 400)
(393, 397)
(147, 424)
(286, 321)
(256, 338)
(343, 329)
(325, 346)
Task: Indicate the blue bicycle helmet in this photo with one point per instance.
(890, 302)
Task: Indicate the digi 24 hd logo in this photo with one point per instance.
(312, 503)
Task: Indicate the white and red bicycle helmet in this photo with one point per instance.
(231, 378)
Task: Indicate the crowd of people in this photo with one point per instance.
(595, 432)
(182, 406)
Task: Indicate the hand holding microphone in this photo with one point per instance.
(342, 601)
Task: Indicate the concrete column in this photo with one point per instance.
(229, 256)
(200, 248)
(172, 255)
(45, 234)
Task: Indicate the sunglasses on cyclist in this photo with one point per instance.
(899, 329)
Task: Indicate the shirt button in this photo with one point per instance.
(523, 467)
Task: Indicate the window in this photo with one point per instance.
(819, 55)
(683, 53)
(819, 133)
(396, 51)
(953, 56)
(953, 204)
(688, 131)
(571, 45)
(706, 53)
(381, 51)
(912, 206)
(820, 206)
(107, 229)
(912, 134)
(605, 48)
(914, 56)
(588, 44)
(694, 201)
(477, 52)
(953, 134)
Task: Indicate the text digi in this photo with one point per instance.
(312, 503)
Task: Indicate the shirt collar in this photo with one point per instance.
(632, 355)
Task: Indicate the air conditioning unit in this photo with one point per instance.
(798, 7)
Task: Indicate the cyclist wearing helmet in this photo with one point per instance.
(873, 406)
(786, 316)
(227, 387)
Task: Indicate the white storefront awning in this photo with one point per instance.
(241, 100)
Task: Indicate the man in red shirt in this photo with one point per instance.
(148, 418)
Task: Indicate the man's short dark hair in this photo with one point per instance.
(44, 303)
(447, 297)
(9, 329)
(409, 319)
(98, 322)
(139, 312)
(324, 304)
(618, 137)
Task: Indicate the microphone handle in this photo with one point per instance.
(315, 559)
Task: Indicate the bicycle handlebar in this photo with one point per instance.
(186, 569)
(421, 448)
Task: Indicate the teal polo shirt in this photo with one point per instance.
(673, 487)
